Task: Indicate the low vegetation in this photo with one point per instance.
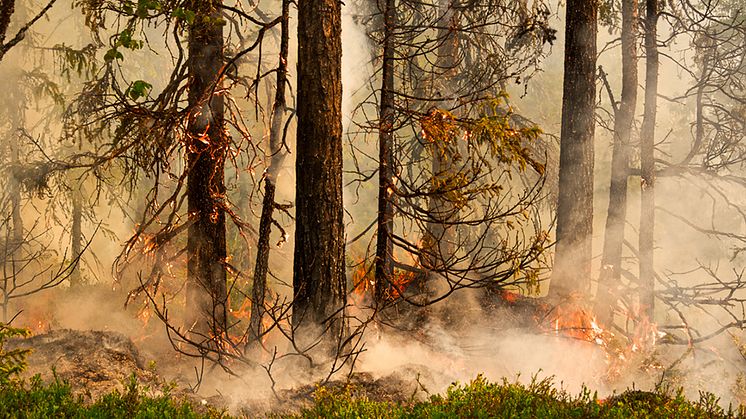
(478, 399)
(539, 399)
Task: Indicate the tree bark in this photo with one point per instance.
(7, 8)
(276, 147)
(206, 151)
(319, 281)
(647, 162)
(572, 263)
(616, 218)
(76, 236)
(384, 244)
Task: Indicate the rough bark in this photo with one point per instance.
(7, 8)
(572, 263)
(616, 216)
(76, 237)
(206, 244)
(276, 147)
(319, 266)
(384, 244)
(647, 162)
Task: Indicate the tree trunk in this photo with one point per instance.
(384, 245)
(276, 147)
(207, 145)
(647, 162)
(319, 281)
(76, 236)
(7, 8)
(611, 261)
(572, 263)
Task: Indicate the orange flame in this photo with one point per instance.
(574, 320)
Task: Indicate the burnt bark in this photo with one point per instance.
(384, 240)
(647, 162)
(206, 151)
(572, 263)
(7, 8)
(276, 147)
(319, 282)
(76, 237)
(616, 216)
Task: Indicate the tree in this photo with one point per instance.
(437, 94)
(572, 260)
(624, 115)
(647, 161)
(207, 146)
(384, 270)
(277, 151)
(319, 281)
(7, 9)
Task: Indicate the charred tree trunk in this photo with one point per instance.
(611, 261)
(384, 244)
(207, 145)
(572, 263)
(319, 281)
(76, 236)
(647, 162)
(7, 8)
(276, 147)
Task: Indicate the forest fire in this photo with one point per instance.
(573, 319)
(429, 188)
(364, 283)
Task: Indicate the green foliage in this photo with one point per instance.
(538, 399)
(142, 8)
(38, 400)
(139, 89)
(493, 142)
(81, 62)
(12, 362)
(183, 14)
(125, 40)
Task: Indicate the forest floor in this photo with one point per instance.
(102, 374)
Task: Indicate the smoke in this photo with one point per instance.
(492, 343)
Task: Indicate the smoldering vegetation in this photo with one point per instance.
(153, 152)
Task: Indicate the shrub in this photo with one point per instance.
(12, 362)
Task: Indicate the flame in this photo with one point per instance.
(244, 311)
(364, 281)
(573, 319)
(400, 282)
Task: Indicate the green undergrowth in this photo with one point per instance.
(56, 400)
(478, 399)
(539, 399)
